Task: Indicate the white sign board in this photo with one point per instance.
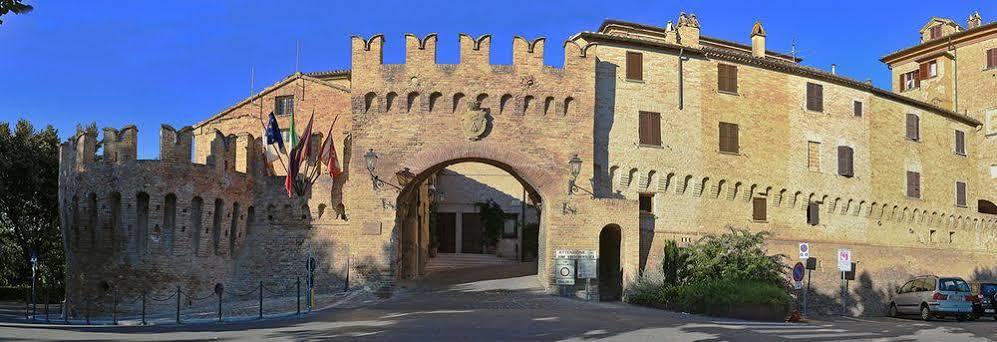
(564, 271)
(588, 269)
(575, 254)
(844, 260)
(804, 250)
(798, 285)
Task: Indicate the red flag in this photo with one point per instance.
(298, 153)
(328, 155)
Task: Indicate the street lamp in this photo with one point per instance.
(371, 159)
(576, 167)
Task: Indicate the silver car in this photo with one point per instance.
(933, 296)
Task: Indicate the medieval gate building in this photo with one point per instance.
(645, 134)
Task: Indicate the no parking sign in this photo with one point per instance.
(804, 250)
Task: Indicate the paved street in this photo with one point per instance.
(511, 308)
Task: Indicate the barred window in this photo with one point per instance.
(284, 105)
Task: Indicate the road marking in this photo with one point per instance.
(836, 336)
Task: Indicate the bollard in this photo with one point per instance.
(27, 309)
(261, 299)
(143, 307)
(65, 310)
(114, 307)
(297, 283)
(86, 311)
(220, 305)
(178, 303)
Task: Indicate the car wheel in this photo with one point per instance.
(925, 313)
(893, 310)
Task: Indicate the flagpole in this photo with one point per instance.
(278, 154)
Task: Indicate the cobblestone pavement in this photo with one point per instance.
(510, 307)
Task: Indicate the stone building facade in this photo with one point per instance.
(678, 134)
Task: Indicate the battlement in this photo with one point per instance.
(231, 153)
(475, 52)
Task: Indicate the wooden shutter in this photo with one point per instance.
(815, 97)
(845, 161)
(728, 138)
(650, 128)
(992, 58)
(912, 127)
(960, 194)
(813, 214)
(922, 71)
(858, 108)
(960, 142)
(913, 184)
(727, 78)
(903, 85)
(758, 212)
(635, 66)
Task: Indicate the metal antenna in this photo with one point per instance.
(297, 54)
(793, 51)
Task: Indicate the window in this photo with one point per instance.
(913, 184)
(813, 156)
(815, 97)
(635, 66)
(727, 78)
(909, 81)
(960, 194)
(993, 171)
(646, 203)
(992, 58)
(284, 105)
(931, 235)
(928, 70)
(650, 128)
(913, 127)
(857, 109)
(935, 32)
(813, 214)
(758, 212)
(509, 230)
(728, 138)
(960, 143)
(846, 157)
(951, 236)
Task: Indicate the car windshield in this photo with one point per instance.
(988, 289)
(953, 284)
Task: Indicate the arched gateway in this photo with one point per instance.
(530, 120)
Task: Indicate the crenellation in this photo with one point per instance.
(475, 52)
(528, 55)
(222, 153)
(420, 51)
(86, 150)
(367, 53)
(120, 146)
(175, 146)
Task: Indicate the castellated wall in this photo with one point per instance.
(152, 225)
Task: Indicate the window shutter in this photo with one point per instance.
(991, 58)
(960, 142)
(728, 138)
(655, 130)
(902, 84)
(858, 108)
(759, 209)
(734, 143)
(642, 127)
(635, 66)
(912, 127)
(813, 214)
(960, 194)
(923, 71)
(815, 97)
(722, 77)
(723, 138)
(845, 161)
(913, 184)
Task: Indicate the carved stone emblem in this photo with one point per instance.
(475, 122)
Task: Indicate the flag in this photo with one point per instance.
(328, 155)
(294, 133)
(299, 152)
(274, 142)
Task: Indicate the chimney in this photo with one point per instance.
(974, 20)
(834, 68)
(688, 30)
(758, 40)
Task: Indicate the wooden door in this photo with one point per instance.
(471, 234)
(446, 235)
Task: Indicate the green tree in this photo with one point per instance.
(493, 220)
(29, 218)
(14, 6)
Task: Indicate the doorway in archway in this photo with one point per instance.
(466, 214)
(610, 271)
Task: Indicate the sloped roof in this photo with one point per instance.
(275, 86)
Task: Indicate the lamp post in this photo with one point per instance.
(576, 167)
(371, 159)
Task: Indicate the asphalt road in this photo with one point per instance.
(449, 308)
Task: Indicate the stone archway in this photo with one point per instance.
(412, 233)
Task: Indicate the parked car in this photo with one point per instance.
(933, 296)
(986, 300)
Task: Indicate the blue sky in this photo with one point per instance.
(178, 62)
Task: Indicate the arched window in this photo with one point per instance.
(368, 101)
(458, 100)
(433, 99)
(504, 103)
(389, 101)
(412, 97)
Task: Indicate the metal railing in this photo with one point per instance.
(235, 299)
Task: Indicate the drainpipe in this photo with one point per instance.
(681, 80)
(955, 74)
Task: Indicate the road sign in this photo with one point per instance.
(798, 271)
(575, 254)
(804, 250)
(588, 269)
(798, 285)
(564, 271)
(844, 259)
